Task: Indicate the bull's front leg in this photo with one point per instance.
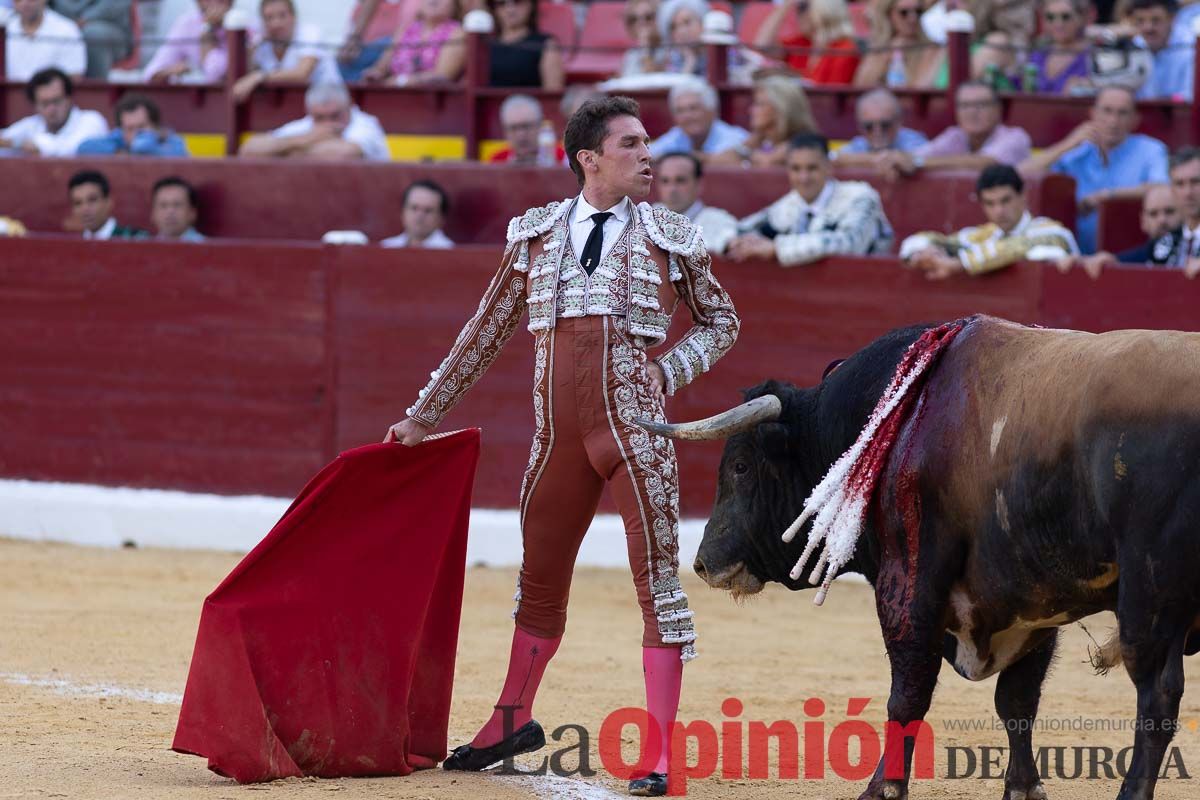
(1018, 692)
(913, 633)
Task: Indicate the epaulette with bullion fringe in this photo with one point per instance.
(536, 221)
(673, 232)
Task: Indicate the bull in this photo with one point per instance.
(1042, 476)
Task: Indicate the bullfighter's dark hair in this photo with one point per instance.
(589, 125)
(997, 175)
(45, 77)
(697, 165)
(432, 186)
(86, 176)
(809, 141)
(175, 180)
(1183, 155)
(1144, 5)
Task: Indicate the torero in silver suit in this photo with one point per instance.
(600, 275)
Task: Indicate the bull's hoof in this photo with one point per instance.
(887, 790)
(1037, 792)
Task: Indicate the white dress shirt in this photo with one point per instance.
(434, 241)
(58, 42)
(808, 211)
(80, 125)
(364, 130)
(105, 232)
(306, 42)
(581, 225)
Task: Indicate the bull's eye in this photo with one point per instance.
(740, 468)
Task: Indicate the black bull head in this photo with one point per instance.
(763, 480)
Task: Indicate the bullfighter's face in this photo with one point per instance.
(1003, 206)
(621, 165)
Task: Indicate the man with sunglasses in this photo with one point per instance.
(879, 119)
(600, 275)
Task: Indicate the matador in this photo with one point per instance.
(600, 275)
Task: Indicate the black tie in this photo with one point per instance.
(595, 241)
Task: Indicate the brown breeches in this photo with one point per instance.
(590, 384)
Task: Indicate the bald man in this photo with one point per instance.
(1160, 216)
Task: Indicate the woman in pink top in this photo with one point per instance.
(430, 50)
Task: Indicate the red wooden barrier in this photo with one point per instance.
(290, 200)
(204, 368)
(243, 367)
(1118, 226)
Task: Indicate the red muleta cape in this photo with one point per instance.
(329, 650)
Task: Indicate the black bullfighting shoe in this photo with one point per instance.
(653, 785)
(528, 738)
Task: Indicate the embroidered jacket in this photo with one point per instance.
(852, 222)
(658, 260)
(1170, 250)
(984, 248)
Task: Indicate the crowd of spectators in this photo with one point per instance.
(1052, 46)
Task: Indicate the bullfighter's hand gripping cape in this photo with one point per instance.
(329, 650)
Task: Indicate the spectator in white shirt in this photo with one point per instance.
(288, 53)
(334, 130)
(425, 208)
(680, 182)
(58, 127)
(37, 38)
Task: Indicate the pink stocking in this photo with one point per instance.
(526, 663)
(664, 677)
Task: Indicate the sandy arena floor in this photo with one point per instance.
(92, 618)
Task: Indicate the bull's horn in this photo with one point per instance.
(723, 425)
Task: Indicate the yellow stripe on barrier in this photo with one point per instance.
(205, 145)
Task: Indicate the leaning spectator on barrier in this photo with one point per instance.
(881, 129)
(1174, 62)
(426, 206)
(779, 110)
(196, 47)
(522, 121)
(92, 209)
(334, 129)
(38, 38)
(899, 51)
(1011, 233)
(107, 27)
(1105, 157)
(430, 49)
(174, 207)
(819, 217)
(290, 52)
(694, 106)
(58, 127)
(1159, 217)
(138, 132)
(1179, 248)
(976, 141)
(680, 181)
